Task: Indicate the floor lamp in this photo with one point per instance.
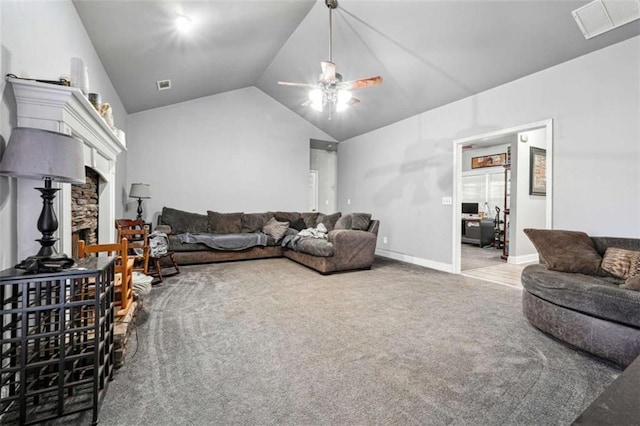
(51, 156)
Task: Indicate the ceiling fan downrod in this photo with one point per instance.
(331, 4)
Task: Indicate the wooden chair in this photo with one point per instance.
(138, 240)
(124, 269)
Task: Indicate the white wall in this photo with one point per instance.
(527, 211)
(326, 163)
(236, 151)
(38, 40)
(400, 172)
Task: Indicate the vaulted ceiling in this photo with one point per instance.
(429, 52)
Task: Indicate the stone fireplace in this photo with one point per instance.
(66, 110)
(84, 210)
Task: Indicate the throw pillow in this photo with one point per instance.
(181, 221)
(566, 251)
(621, 263)
(275, 229)
(310, 218)
(224, 223)
(328, 220)
(632, 283)
(253, 222)
(360, 221)
(344, 222)
(285, 216)
(298, 224)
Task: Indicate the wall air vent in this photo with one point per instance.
(163, 84)
(601, 16)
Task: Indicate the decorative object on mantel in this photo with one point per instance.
(42, 154)
(79, 75)
(107, 113)
(140, 191)
(96, 100)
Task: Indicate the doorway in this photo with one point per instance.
(519, 201)
(323, 176)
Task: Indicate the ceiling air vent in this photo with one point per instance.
(164, 84)
(601, 16)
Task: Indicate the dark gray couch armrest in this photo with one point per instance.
(353, 249)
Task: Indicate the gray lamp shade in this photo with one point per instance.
(37, 154)
(140, 190)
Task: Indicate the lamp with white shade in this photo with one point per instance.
(41, 154)
(140, 191)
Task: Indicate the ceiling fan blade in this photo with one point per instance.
(353, 101)
(328, 71)
(286, 83)
(361, 83)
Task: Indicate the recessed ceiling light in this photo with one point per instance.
(183, 23)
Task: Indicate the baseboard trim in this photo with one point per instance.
(527, 258)
(444, 267)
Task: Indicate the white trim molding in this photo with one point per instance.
(444, 267)
(65, 109)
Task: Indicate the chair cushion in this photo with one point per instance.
(596, 296)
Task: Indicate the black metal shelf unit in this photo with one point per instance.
(57, 341)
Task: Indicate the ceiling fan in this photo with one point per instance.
(331, 94)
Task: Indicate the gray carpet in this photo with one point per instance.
(272, 342)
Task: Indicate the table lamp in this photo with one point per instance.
(51, 156)
(140, 191)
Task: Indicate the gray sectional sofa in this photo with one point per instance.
(350, 241)
(587, 308)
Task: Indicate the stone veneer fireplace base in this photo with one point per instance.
(85, 210)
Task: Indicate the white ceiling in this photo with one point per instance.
(429, 52)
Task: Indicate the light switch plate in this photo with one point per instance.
(447, 201)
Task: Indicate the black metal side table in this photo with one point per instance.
(57, 341)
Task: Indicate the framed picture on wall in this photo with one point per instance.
(537, 171)
(488, 161)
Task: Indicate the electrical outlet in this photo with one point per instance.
(326, 202)
(384, 240)
(447, 201)
(348, 201)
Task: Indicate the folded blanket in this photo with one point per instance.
(232, 242)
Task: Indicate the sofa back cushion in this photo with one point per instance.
(253, 222)
(566, 251)
(181, 221)
(328, 220)
(224, 223)
(310, 219)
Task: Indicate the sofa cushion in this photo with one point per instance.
(360, 221)
(315, 247)
(588, 294)
(632, 283)
(224, 223)
(621, 263)
(566, 251)
(253, 222)
(285, 216)
(344, 222)
(275, 229)
(310, 218)
(181, 221)
(298, 224)
(328, 220)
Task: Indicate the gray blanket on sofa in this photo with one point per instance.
(233, 242)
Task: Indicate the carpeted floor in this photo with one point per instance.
(272, 342)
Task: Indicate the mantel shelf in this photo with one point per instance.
(43, 102)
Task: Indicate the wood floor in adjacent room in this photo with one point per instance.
(486, 264)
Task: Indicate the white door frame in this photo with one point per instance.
(486, 139)
(313, 190)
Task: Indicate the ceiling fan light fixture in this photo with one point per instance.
(344, 97)
(315, 96)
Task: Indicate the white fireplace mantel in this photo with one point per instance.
(66, 110)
